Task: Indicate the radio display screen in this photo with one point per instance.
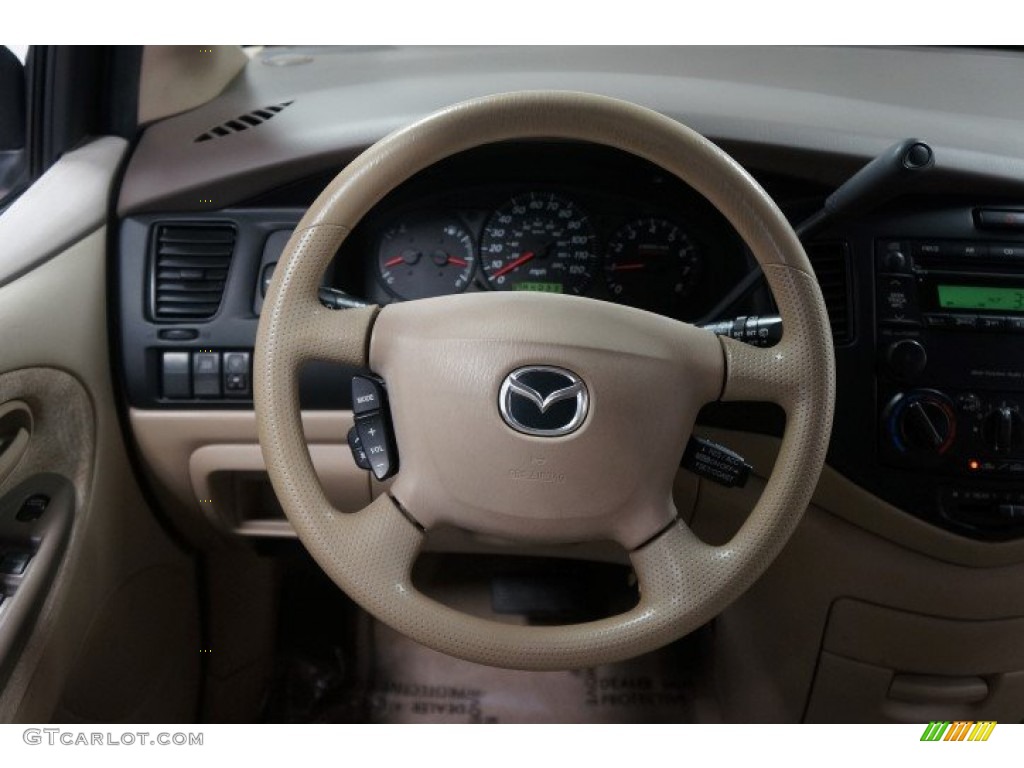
(988, 297)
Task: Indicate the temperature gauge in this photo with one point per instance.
(423, 257)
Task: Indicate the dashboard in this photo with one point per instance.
(929, 409)
(916, 532)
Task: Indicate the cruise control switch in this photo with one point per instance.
(372, 440)
(716, 462)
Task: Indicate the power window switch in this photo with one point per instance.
(176, 372)
(32, 508)
(14, 563)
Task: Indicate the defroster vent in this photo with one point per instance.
(189, 270)
(243, 122)
(831, 262)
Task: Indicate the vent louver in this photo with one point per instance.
(243, 122)
(189, 270)
(831, 262)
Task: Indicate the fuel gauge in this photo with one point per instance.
(425, 256)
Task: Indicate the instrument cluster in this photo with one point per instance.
(541, 241)
(570, 220)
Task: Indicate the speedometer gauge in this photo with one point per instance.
(539, 242)
(651, 263)
(426, 256)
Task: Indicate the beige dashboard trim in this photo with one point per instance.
(346, 486)
(840, 496)
(184, 449)
(168, 440)
(28, 241)
(177, 78)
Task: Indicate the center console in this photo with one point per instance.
(949, 341)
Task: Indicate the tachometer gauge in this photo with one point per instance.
(425, 257)
(651, 264)
(539, 242)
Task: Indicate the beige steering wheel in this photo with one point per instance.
(444, 361)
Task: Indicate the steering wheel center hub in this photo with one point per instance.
(496, 436)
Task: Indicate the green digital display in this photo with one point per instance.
(542, 287)
(988, 297)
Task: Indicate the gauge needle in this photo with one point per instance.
(457, 261)
(512, 265)
(394, 262)
(621, 267)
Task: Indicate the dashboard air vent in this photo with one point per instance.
(243, 122)
(189, 270)
(831, 262)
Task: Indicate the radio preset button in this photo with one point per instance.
(965, 321)
(1015, 323)
(1006, 251)
(973, 250)
(929, 249)
(939, 321)
(990, 323)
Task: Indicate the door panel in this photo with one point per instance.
(119, 617)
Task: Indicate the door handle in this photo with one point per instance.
(15, 433)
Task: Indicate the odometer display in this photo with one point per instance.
(539, 239)
(540, 287)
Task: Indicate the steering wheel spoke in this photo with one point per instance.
(789, 374)
(755, 373)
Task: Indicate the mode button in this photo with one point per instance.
(366, 395)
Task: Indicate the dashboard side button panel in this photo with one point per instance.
(206, 374)
(177, 375)
(237, 376)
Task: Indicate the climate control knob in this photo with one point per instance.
(921, 422)
(1002, 429)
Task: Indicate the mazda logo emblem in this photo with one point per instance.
(544, 401)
